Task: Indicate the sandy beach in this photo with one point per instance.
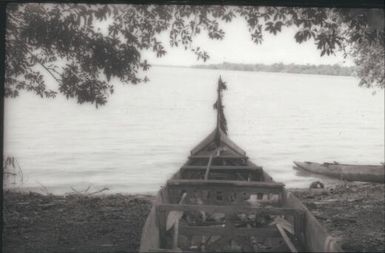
(33, 222)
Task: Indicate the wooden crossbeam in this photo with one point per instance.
(230, 209)
(222, 190)
(239, 168)
(168, 251)
(223, 185)
(223, 231)
(198, 182)
(219, 157)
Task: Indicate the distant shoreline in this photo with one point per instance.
(333, 70)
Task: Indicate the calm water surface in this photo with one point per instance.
(145, 132)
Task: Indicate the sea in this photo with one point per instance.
(145, 132)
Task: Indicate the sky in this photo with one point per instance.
(237, 47)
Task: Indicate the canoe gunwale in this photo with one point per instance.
(315, 237)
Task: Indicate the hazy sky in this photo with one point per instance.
(238, 47)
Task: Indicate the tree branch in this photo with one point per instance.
(49, 71)
(46, 68)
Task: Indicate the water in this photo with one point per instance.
(145, 132)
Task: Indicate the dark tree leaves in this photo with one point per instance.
(64, 41)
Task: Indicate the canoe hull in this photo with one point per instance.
(315, 236)
(363, 173)
(150, 235)
(220, 201)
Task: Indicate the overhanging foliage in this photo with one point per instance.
(62, 40)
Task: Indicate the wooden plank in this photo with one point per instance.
(221, 157)
(316, 238)
(299, 225)
(150, 234)
(285, 224)
(175, 215)
(205, 142)
(238, 168)
(168, 251)
(175, 235)
(175, 222)
(225, 185)
(230, 209)
(208, 168)
(286, 239)
(229, 143)
(223, 231)
(216, 183)
(161, 218)
(212, 247)
(241, 192)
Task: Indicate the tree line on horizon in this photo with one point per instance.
(323, 69)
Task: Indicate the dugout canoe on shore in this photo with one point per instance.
(220, 201)
(349, 172)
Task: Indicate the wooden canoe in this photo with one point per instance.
(349, 172)
(219, 201)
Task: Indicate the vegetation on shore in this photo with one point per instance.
(334, 70)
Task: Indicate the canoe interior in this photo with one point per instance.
(219, 201)
(232, 206)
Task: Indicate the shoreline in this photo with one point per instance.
(104, 222)
(342, 70)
